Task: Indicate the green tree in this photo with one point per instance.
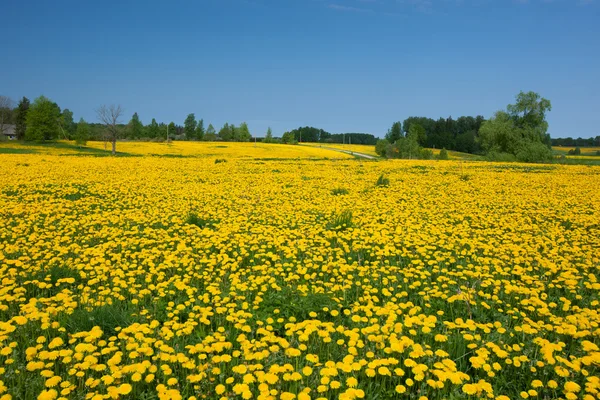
(269, 136)
(288, 138)
(210, 135)
(152, 129)
(418, 132)
(189, 127)
(200, 130)
(82, 133)
(21, 118)
(226, 133)
(520, 132)
(383, 148)
(42, 120)
(66, 123)
(135, 128)
(408, 147)
(243, 133)
(172, 130)
(529, 111)
(394, 133)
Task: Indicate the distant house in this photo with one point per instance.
(9, 131)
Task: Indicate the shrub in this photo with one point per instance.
(426, 154)
(381, 148)
(534, 152)
(598, 152)
(500, 156)
(575, 152)
(383, 181)
(443, 154)
(220, 160)
(339, 191)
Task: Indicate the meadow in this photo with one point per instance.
(287, 272)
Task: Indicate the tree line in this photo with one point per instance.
(579, 142)
(520, 132)
(43, 120)
(316, 135)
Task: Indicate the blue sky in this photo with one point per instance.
(340, 65)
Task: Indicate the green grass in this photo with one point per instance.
(16, 150)
(339, 191)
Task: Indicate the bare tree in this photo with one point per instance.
(110, 116)
(6, 106)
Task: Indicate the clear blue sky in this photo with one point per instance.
(341, 65)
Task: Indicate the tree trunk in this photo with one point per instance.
(114, 147)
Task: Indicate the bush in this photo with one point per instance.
(500, 156)
(598, 152)
(383, 181)
(575, 152)
(534, 152)
(381, 148)
(220, 160)
(426, 154)
(443, 155)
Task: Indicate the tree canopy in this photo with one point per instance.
(42, 121)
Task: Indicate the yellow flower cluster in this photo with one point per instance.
(178, 278)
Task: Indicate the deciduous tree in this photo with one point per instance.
(82, 133)
(21, 118)
(43, 120)
(189, 127)
(111, 116)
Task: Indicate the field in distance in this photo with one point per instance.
(227, 150)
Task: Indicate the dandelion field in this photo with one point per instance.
(176, 278)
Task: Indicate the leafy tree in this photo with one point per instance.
(135, 129)
(66, 123)
(153, 129)
(189, 126)
(200, 130)
(288, 138)
(383, 148)
(521, 131)
(227, 132)
(42, 120)
(394, 133)
(171, 130)
(530, 111)
(242, 133)
(269, 136)
(211, 134)
(163, 131)
(82, 133)
(419, 132)
(408, 147)
(21, 118)
(467, 142)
